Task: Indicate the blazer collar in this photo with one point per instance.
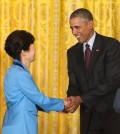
(80, 60)
(17, 62)
(97, 48)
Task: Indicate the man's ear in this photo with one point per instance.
(91, 24)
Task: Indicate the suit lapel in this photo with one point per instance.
(97, 47)
(80, 60)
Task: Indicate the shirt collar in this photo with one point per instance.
(90, 42)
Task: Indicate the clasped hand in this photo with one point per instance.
(71, 104)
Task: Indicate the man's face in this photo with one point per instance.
(81, 28)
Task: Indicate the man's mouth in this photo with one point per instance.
(78, 36)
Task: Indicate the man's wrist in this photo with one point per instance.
(80, 99)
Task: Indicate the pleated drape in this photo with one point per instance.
(48, 21)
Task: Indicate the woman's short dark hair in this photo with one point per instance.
(17, 41)
(82, 13)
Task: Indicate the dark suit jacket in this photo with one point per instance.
(98, 86)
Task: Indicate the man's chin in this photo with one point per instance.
(80, 41)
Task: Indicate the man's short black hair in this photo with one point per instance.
(17, 41)
(82, 13)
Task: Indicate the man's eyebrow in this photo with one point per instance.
(74, 26)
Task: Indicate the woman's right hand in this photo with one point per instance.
(67, 102)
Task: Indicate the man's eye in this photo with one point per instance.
(77, 27)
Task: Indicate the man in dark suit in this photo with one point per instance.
(94, 76)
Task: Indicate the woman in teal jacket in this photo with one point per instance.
(22, 94)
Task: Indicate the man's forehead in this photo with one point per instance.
(81, 19)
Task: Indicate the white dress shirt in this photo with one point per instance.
(90, 42)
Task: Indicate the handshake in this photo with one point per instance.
(71, 104)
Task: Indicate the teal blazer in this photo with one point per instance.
(23, 99)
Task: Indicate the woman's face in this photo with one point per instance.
(30, 54)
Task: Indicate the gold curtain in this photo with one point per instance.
(48, 21)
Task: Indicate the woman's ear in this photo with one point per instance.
(23, 53)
